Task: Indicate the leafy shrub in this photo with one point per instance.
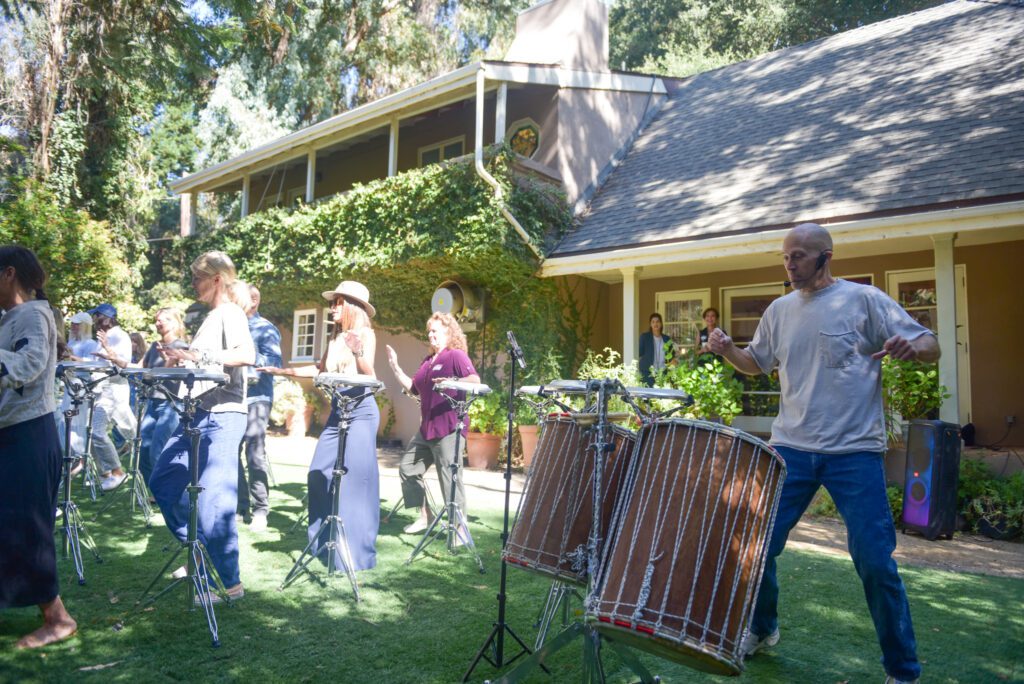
(713, 386)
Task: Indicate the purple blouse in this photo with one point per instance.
(437, 418)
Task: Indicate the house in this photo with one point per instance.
(553, 98)
(905, 138)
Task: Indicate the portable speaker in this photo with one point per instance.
(932, 477)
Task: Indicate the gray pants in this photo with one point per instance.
(103, 449)
(418, 456)
(254, 447)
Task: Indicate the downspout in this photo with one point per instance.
(478, 156)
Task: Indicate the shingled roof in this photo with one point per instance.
(910, 114)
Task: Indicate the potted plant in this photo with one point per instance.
(911, 391)
(290, 407)
(526, 420)
(486, 426)
(713, 386)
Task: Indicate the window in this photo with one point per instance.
(328, 330)
(680, 311)
(442, 151)
(915, 292)
(743, 308)
(523, 137)
(303, 334)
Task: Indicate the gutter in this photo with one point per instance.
(478, 162)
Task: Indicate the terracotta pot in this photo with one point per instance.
(528, 438)
(482, 450)
(298, 423)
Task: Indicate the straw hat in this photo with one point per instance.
(357, 292)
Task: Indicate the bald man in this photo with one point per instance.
(827, 338)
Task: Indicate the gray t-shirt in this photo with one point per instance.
(822, 343)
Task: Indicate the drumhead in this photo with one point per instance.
(461, 386)
(665, 393)
(84, 367)
(339, 380)
(179, 374)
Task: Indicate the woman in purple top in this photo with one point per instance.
(435, 441)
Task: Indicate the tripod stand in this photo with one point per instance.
(331, 535)
(144, 391)
(75, 532)
(496, 639)
(456, 524)
(593, 669)
(199, 566)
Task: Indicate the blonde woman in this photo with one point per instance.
(161, 420)
(435, 441)
(350, 352)
(221, 343)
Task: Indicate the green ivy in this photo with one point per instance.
(402, 236)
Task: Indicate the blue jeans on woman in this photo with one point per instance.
(856, 483)
(220, 434)
(158, 424)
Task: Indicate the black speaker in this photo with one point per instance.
(932, 477)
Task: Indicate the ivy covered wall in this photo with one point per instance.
(402, 236)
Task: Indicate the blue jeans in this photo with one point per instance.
(158, 424)
(220, 434)
(856, 483)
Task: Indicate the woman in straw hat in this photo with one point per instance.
(350, 352)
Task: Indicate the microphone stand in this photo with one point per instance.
(496, 639)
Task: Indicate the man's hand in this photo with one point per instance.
(924, 348)
(718, 341)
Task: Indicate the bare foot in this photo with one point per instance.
(48, 634)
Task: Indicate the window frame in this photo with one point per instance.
(727, 294)
(296, 316)
(440, 147)
(661, 299)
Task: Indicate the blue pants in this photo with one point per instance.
(220, 434)
(856, 483)
(158, 424)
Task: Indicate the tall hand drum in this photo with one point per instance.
(681, 570)
(556, 512)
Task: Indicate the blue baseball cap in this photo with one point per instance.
(106, 308)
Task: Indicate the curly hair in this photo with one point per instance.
(456, 338)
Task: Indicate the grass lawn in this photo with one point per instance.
(424, 622)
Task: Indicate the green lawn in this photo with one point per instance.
(424, 622)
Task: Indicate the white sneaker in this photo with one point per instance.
(113, 481)
(889, 679)
(752, 643)
(259, 522)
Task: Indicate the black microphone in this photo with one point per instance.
(517, 353)
(818, 265)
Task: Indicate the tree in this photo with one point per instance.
(680, 38)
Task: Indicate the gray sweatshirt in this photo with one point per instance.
(28, 359)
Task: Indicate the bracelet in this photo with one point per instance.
(358, 354)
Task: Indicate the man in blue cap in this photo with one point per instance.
(114, 403)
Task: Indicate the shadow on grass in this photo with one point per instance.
(424, 622)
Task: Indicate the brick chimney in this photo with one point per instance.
(569, 33)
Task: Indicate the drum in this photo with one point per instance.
(470, 388)
(682, 567)
(187, 375)
(555, 513)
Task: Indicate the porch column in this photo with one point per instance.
(630, 313)
(393, 148)
(500, 107)
(945, 296)
(187, 225)
(246, 192)
(310, 175)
